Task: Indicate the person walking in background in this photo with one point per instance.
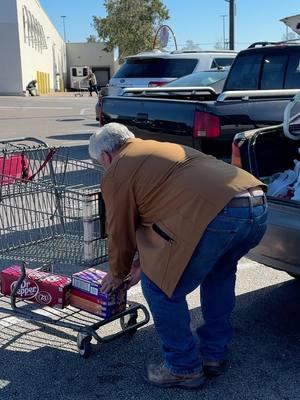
(92, 83)
(191, 217)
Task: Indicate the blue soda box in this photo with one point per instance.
(89, 281)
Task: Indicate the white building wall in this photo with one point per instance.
(31, 48)
(10, 61)
(81, 54)
(46, 54)
(91, 55)
(29, 44)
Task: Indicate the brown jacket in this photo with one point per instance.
(159, 198)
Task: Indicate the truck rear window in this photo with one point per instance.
(156, 68)
(265, 71)
(273, 71)
(244, 75)
(293, 72)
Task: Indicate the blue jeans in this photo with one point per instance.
(93, 88)
(213, 265)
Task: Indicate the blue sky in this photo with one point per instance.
(198, 20)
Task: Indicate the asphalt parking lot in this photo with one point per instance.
(41, 360)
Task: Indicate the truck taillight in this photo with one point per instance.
(155, 84)
(206, 125)
(236, 154)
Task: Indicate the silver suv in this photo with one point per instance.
(157, 68)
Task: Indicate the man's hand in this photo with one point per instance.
(110, 283)
(134, 275)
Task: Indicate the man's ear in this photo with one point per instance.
(108, 155)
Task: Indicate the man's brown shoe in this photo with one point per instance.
(213, 369)
(159, 375)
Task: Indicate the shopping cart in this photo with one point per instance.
(81, 86)
(52, 217)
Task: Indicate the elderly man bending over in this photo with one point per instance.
(191, 217)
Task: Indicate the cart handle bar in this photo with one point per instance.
(50, 154)
(18, 139)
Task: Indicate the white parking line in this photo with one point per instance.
(38, 108)
(84, 111)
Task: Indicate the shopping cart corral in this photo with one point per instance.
(52, 218)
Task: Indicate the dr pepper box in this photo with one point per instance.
(86, 294)
(41, 287)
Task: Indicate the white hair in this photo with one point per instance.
(109, 137)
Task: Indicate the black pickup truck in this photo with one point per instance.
(260, 83)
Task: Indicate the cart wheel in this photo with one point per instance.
(84, 344)
(129, 320)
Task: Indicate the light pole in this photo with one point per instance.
(231, 23)
(63, 18)
(224, 42)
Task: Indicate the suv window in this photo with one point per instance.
(156, 67)
(245, 74)
(221, 62)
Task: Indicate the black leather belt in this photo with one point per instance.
(247, 201)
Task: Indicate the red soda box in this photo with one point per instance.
(86, 294)
(41, 287)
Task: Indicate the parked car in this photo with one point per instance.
(212, 78)
(272, 155)
(157, 68)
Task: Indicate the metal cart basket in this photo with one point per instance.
(80, 87)
(52, 216)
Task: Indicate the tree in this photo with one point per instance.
(219, 46)
(130, 25)
(190, 45)
(91, 39)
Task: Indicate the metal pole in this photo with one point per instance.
(224, 43)
(231, 24)
(63, 18)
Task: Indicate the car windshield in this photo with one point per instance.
(203, 78)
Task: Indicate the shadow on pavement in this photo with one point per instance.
(71, 136)
(263, 363)
(70, 119)
(96, 125)
(78, 152)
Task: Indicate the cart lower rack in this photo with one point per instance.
(52, 217)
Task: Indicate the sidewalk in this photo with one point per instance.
(59, 94)
(83, 93)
